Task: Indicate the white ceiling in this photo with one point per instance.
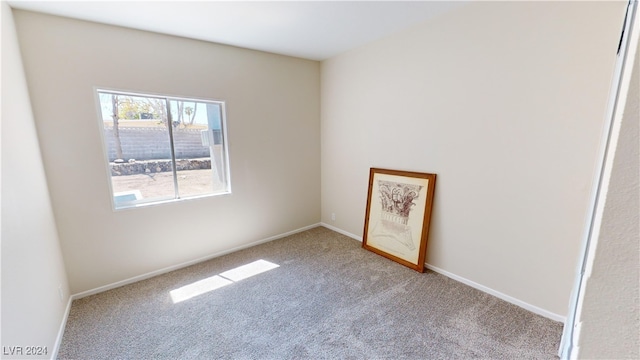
(314, 30)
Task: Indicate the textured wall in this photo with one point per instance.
(505, 101)
(611, 309)
(273, 114)
(33, 271)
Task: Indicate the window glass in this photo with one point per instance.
(163, 148)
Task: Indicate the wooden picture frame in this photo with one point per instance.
(399, 205)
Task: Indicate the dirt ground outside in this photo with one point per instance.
(155, 185)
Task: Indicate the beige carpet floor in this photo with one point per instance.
(313, 295)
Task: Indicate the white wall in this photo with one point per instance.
(611, 308)
(273, 113)
(505, 101)
(32, 264)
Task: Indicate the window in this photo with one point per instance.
(162, 148)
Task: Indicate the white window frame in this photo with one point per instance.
(177, 198)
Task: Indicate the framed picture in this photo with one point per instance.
(399, 207)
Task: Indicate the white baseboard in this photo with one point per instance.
(505, 297)
(63, 325)
(134, 279)
(356, 237)
(185, 264)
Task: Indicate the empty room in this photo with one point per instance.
(286, 180)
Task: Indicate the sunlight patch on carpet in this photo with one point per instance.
(249, 270)
(223, 279)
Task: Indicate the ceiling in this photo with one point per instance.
(314, 30)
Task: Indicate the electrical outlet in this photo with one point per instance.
(333, 216)
(60, 292)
